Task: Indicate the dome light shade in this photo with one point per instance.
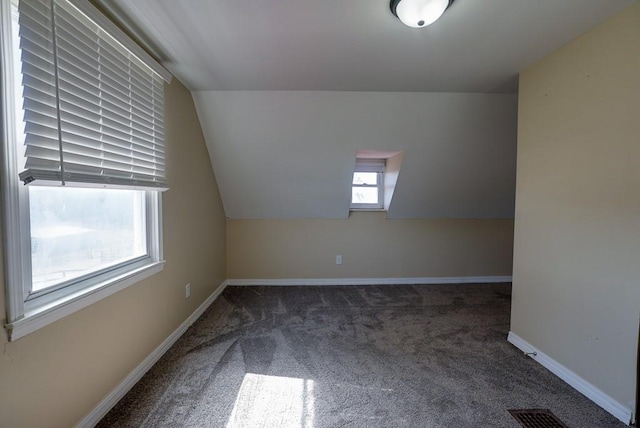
(419, 13)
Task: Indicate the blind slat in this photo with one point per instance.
(369, 165)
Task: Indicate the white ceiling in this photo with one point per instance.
(356, 45)
(287, 91)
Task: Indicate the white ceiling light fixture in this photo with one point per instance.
(419, 13)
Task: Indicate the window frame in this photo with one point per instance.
(35, 299)
(369, 165)
(27, 312)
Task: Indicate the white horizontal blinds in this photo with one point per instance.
(111, 111)
(370, 165)
(111, 114)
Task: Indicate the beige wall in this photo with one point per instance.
(576, 291)
(55, 376)
(371, 246)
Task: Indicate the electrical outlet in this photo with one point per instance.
(187, 291)
(338, 259)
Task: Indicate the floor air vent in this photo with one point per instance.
(537, 418)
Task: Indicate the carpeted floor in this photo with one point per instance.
(369, 356)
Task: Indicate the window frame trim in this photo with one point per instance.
(354, 206)
(11, 193)
(54, 311)
(44, 310)
(59, 291)
(31, 315)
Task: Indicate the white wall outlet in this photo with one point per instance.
(187, 291)
(338, 259)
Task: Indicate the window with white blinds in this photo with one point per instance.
(81, 109)
(93, 110)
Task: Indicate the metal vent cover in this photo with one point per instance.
(537, 418)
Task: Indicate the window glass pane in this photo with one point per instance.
(78, 231)
(364, 195)
(370, 178)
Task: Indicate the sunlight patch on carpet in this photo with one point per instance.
(273, 401)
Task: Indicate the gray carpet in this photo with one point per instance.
(369, 356)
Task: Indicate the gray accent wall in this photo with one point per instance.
(290, 154)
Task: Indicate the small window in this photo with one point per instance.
(367, 186)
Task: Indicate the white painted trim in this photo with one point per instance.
(16, 257)
(372, 281)
(58, 309)
(620, 411)
(132, 378)
(47, 308)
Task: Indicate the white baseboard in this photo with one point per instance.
(623, 413)
(119, 391)
(372, 281)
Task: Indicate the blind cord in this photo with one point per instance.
(57, 86)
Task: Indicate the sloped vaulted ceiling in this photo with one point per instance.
(288, 91)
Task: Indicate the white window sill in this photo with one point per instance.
(47, 314)
(377, 210)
